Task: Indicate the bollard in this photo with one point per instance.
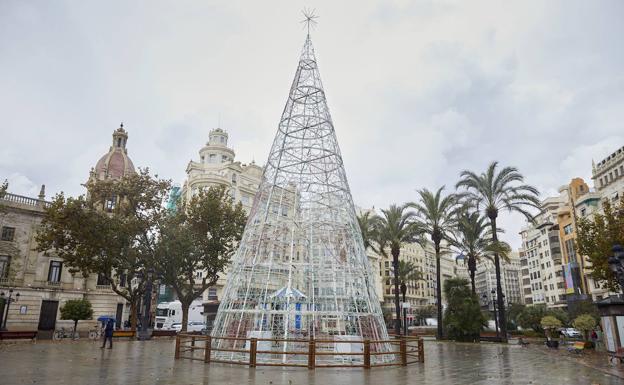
(177, 348)
(253, 348)
(207, 349)
(367, 360)
(311, 354)
(192, 341)
(421, 350)
(403, 347)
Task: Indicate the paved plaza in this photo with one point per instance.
(134, 362)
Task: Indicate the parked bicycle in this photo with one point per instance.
(95, 334)
(61, 333)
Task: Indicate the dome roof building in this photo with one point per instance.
(115, 164)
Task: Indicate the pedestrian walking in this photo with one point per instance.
(594, 338)
(108, 334)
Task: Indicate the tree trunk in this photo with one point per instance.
(502, 319)
(473, 271)
(133, 315)
(439, 334)
(185, 309)
(395, 264)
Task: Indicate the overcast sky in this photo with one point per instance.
(418, 90)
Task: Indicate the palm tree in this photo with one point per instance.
(408, 275)
(366, 221)
(474, 241)
(492, 191)
(437, 218)
(393, 228)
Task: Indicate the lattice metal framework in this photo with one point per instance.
(301, 270)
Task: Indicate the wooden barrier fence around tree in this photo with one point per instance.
(405, 351)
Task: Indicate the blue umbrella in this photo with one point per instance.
(105, 318)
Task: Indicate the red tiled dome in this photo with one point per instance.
(116, 163)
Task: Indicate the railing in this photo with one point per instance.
(20, 199)
(103, 287)
(54, 283)
(312, 353)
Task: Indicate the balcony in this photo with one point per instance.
(103, 287)
(54, 283)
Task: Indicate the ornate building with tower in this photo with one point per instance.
(42, 280)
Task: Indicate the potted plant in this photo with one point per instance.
(550, 325)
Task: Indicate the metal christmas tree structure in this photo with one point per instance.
(301, 271)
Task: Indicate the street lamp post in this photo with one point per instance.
(8, 303)
(403, 292)
(494, 301)
(616, 264)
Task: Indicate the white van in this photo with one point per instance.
(169, 313)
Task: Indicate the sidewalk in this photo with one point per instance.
(597, 360)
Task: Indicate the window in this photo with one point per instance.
(54, 274)
(212, 294)
(222, 139)
(233, 178)
(118, 142)
(5, 263)
(212, 158)
(8, 233)
(202, 159)
(583, 212)
(110, 203)
(101, 280)
(224, 158)
(567, 229)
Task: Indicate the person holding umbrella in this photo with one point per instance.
(108, 334)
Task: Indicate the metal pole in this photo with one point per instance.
(6, 313)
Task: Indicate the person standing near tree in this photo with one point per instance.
(108, 334)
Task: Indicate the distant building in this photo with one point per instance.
(541, 258)
(608, 176)
(216, 166)
(511, 281)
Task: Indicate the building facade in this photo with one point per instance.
(511, 281)
(541, 258)
(42, 279)
(217, 166)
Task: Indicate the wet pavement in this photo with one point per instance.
(135, 362)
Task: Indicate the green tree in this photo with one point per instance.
(584, 323)
(583, 307)
(463, 319)
(437, 218)
(199, 237)
(491, 192)
(531, 316)
(392, 229)
(366, 223)
(76, 310)
(550, 324)
(423, 312)
(514, 311)
(110, 233)
(3, 190)
(596, 237)
(473, 239)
